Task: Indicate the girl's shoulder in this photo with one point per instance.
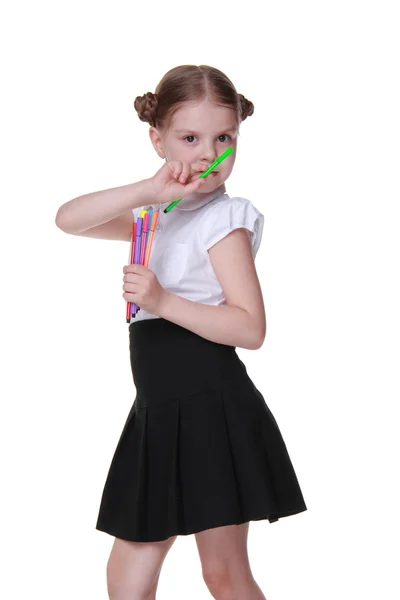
(226, 213)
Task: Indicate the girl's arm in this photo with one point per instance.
(105, 214)
(242, 322)
(108, 214)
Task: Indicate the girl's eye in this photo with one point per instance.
(189, 136)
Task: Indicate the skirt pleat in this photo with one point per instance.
(196, 452)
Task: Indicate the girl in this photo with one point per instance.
(200, 452)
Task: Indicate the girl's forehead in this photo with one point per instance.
(205, 113)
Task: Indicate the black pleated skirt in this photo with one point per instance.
(200, 447)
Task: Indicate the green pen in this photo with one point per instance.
(219, 160)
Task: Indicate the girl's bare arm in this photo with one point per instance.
(106, 214)
(242, 321)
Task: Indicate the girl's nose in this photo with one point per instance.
(209, 155)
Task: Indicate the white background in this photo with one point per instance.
(320, 159)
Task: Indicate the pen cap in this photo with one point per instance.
(227, 152)
(154, 221)
(146, 222)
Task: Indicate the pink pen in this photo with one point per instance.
(144, 237)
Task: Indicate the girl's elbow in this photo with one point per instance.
(256, 345)
(60, 220)
(258, 340)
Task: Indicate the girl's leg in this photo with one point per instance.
(133, 568)
(225, 563)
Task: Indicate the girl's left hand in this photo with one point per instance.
(142, 288)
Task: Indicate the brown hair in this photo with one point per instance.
(187, 83)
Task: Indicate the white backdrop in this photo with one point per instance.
(320, 159)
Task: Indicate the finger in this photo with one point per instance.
(131, 287)
(132, 271)
(177, 170)
(138, 269)
(129, 296)
(186, 170)
(194, 186)
(173, 167)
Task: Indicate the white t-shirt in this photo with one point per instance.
(182, 237)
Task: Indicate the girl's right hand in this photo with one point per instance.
(177, 179)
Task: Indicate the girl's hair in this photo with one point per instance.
(190, 83)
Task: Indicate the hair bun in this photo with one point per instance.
(146, 107)
(246, 107)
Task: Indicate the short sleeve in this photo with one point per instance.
(230, 214)
(136, 213)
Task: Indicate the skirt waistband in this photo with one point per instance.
(173, 361)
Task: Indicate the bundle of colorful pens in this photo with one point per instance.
(141, 242)
(142, 233)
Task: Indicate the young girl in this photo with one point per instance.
(200, 452)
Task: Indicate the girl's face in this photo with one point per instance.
(200, 132)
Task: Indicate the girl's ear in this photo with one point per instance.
(156, 140)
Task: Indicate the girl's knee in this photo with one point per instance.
(216, 579)
(222, 581)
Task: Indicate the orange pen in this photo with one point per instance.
(152, 230)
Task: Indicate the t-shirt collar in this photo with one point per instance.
(197, 199)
